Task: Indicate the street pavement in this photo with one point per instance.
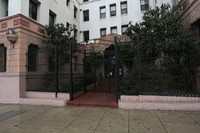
(47, 119)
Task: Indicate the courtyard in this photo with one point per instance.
(46, 119)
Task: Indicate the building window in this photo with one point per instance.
(52, 17)
(144, 5)
(67, 25)
(67, 2)
(32, 57)
(113, 10)
(85, 0)
(2, 58)
(33, 9)
(86, 36)
(103, 32)
(75, 63)
(103, 12)
(86, 15)
(75, 11)
(124, 7)
(113, 30)
(75, 33)
(124, 28)
(6, 7)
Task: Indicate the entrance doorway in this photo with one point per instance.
(101, 66)
(109, 59)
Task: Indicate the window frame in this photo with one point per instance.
(84, 37)
(86, 18)
(67, 25)
(102, 14)
(53, 16)
(115, 11)
(67, 2)
(33, 14)
(75, 33)
(75, 11)
(123, 26)
(124, 9)
(145, 6)
(101, 31)
(113, 27)
(6, 8)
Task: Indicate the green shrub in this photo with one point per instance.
(128, 86)
(150, 81)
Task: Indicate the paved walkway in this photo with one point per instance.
(45, 119)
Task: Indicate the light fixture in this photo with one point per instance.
(11, 36)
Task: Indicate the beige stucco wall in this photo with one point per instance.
(13, 81)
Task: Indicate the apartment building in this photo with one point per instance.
(44, 12)
(93, 19)
(99, 18)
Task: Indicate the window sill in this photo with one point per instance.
(102, 18)
(113, 16)
(124, 14)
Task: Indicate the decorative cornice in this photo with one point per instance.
(22, 16)
(188, 7)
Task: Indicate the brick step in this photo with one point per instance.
(95, 99)
(114, 105)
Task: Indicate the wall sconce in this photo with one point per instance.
(11, 36)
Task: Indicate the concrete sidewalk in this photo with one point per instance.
(45, 119)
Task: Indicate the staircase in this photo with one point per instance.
(103, 97)
(106, 85)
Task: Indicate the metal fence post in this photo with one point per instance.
(116, 69)
(109, 69)
(56, 67)
(95, 85)
(84, 67)
(139, 63)
(71, 74)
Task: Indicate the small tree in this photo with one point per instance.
(91, 60)
(161, 33)
(158, 24)
(59, 35)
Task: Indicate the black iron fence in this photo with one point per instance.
(154, 66)
(140, 65)
(46, 72)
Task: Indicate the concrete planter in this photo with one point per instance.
(45, 98)
(159, 102)
(47, 95)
